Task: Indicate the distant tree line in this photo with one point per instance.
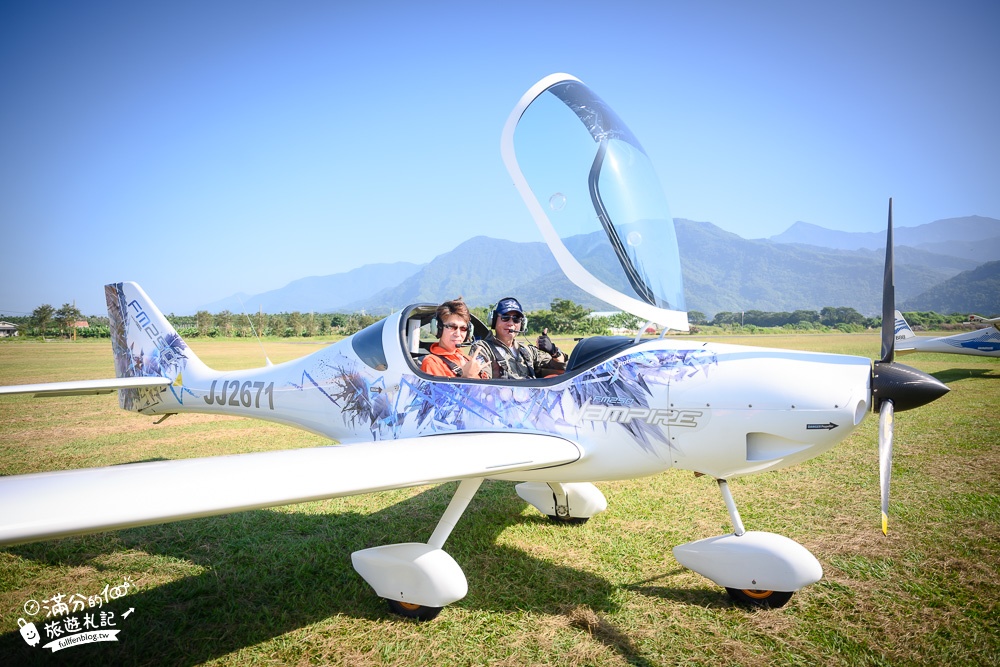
(281, 325)
(840, 318)
(47, 321)
(562, 317)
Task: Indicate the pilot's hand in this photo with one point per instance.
(545, 344)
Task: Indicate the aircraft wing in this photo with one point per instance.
(84, 387)
(995, 321)
(69, 502)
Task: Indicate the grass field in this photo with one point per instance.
(277, 587)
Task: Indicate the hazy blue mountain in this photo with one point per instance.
(483, 270)
(321, 294)
(480, 270)
(972, 292)
(984, 250)
(722, 272)
(973, 237)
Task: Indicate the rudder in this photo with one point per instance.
(144, 344)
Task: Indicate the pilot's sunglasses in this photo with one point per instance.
(460, 327)
(517, 317)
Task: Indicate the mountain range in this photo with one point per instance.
(946, 266)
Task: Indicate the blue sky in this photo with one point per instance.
(208, 148)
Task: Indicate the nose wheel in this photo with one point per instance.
(749, 597)
(409, 610)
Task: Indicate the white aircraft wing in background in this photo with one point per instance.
(995, 321)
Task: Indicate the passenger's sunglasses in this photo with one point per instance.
(460, 327)
(516, 317)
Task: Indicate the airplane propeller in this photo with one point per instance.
(894, 386)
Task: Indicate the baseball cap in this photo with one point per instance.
(508, 305)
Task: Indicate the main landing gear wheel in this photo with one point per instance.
(749, 597)
(410, 610)
(568, 519)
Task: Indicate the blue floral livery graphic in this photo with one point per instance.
(423, 405)
(165, 355)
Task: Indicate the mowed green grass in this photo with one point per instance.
(277, 587)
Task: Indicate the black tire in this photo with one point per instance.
(756, 599)
(415, 611)
(569, 519)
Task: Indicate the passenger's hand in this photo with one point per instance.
(471, 369)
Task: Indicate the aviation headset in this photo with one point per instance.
(507, 304)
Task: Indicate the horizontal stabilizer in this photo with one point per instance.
(85, 387)
(55, 504)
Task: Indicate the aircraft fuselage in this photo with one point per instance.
(718, 409)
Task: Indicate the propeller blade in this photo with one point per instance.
(885, 423)
(888, 298)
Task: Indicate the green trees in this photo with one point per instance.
(203, 322)
(831, 317)
(42, 319)
(566, 317)
(41, 316)
(67, 317)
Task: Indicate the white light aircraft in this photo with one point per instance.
(623, 408)
(984, 342)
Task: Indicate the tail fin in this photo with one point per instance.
(903, 330)
(145, 344)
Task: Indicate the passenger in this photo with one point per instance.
(503, 356)
(453, 329)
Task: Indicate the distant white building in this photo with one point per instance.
(7, 329)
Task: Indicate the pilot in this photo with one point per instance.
(445, 358)
(503, 356)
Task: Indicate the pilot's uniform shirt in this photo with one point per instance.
(500, 361)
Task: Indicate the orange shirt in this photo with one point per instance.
(436, 366)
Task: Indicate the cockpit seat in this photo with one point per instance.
(591, 350)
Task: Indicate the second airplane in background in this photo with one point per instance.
(983, 342)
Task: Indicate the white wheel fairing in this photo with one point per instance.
(752, 561)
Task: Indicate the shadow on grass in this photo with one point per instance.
(715, 598)
(271, 572)
(953, 375)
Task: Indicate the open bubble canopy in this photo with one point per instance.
(596, 199)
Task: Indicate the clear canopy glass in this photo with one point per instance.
(596, 198)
